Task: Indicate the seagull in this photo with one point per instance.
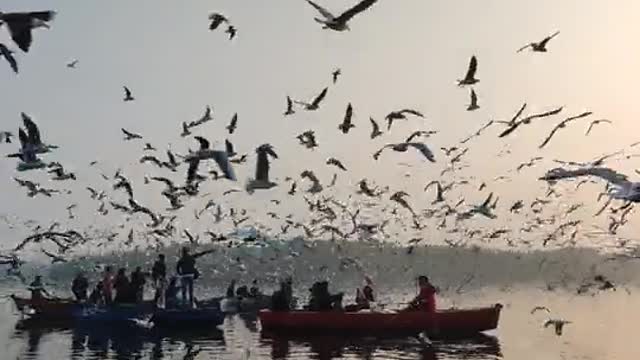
(527, 121)
(205, 153)
(72, 64)
(558, 324)
(562, 125)
(61, 175)
(346, 124)
(129, 135)
(337, 163)
(127, 94)
(292, 190)
(621, 189)
(415, 134)
(596, 122)
(216, 20)
(469, 78)
(400, 115)
(517, 206)
(399, 197)
(539, 46)
(289, 110)
(308, 139)
(7, 137)
(54, 258)
(229, 148)
(335, 74)
(483, 209)
(20, 25)
(339, 23)
(33, 137)
(185, 130)
(231, 30)
(474, 101)
(375, 129)
(8, 55)
(316, 187)
(540, 308)
(233, 124)
(261, 180)
(530, 163)
(403, 147)
(316, 102)
(439, 191)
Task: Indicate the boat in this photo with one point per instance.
(233, 305)
(206, 317)
(442, 323)
(46, 309)
(119, 313)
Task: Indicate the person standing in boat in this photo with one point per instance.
(97, 295)
(107, 285)
(38, 292)
(79, 287)
(122, 285)
(138, 281)
(188, 272)
(159, 277)
(426, 299)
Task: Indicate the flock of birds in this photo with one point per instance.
(329, 215)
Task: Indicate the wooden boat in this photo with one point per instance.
(442, 323)
(50, 309)
(120, 313)
(235, 305)
(207, 317)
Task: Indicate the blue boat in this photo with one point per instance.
(113, 314)
(209, 317)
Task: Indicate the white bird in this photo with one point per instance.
(469, 78)
(261, 180)
(474, 101)
(339, 23)
(540, 46)
(621, 189)
(558, 324)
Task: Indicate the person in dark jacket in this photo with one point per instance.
(231, 289)
(322, 300)
(79, 287)
(138, 281)
(122, 285)
(97, 295)
(188, 272)
(171, 294)
(280, 300)
(38, 292)
(159, 277)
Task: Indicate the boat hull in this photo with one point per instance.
(208, 317)
(442, 323)
(44, 309)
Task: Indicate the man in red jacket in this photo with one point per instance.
(426, 299)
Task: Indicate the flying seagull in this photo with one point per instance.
(316, 102)
(339, 23)
(233, 124)
(539, 46)
(129, 135)
(205, 153)
(289, 110)
(231, 30)
(596, 122)
(337, 163)
(127, 94)
(557, 324)
(400, 115)
(72, 64)
(20, 25)
(216, 20)
(403, 147)
(474, 101)
(528, 120)
(469, 78)
(8, 55)
(261, 180)
(375, 129)
(562, 125)
(621, 189)
(335, 74)
(418, 133)
(346, 124)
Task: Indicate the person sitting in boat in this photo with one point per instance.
(364, 298)
(38, 292)
(231, 289)
(426, 299)
(159, 277)
(97, 295)
(322, 300)
(79, 287)
(254, 292)
(171, 294)
(138, 280)
(107, 285)
(280, 300)
(122, 285)
(242, 292)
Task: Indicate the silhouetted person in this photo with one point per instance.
(138, 281)
(122, 285)
(79, 287)
(159, 277)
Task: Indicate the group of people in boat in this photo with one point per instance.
(121, 288)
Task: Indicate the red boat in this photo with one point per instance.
(442, 323)
(50, 309)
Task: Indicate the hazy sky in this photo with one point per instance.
(399, 54)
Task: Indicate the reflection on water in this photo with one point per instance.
(136, 343)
